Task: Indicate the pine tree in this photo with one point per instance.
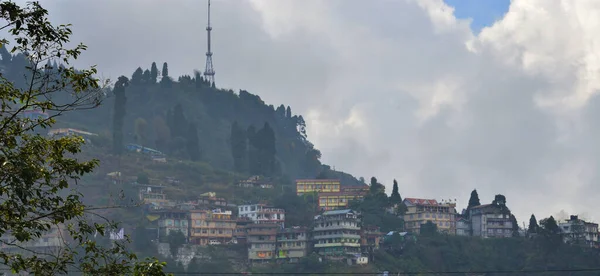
(146, 77)
(239, 147)
(193, 143)
(474, 200)
(533, 225)
(153, 72)
(136, 78)
(119, 113)
(395, 196)
(165, 70)
(288, 112)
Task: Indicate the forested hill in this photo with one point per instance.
(189, 118)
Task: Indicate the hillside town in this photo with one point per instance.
(336, 233)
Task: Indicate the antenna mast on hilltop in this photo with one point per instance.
(209, 71)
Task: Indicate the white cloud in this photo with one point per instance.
(410, 92)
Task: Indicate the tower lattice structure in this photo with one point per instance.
(209, 71)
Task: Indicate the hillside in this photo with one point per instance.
(234, 130)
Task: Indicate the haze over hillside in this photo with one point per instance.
(397, 90)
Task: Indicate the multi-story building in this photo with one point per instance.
(171, 220)
(211, 227)
(579, 232)
(340, 200)
(239, 234)
(370, 236)
(152, 194)
(490, 221)
(292, 243)
(210, 199)
(317, 185)
(256, 182)
(262, 241)
(419, 211)
(337, 233)
(261, 213)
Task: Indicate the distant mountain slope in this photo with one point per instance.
(164, 113)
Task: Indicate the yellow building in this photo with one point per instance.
(420, 211)
(339, 200)
(317, 185)
(210, 227)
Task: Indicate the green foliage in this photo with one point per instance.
(119, 113)
(454, 253)
(428, 229)
(474, 200)
(143, 178)
(175, 239)
(38, 175)
(533, 225)
(299, 210)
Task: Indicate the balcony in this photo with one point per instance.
(333, 236)
(337, 244)
(336, 227)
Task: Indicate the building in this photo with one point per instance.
(51, 242)
(171, 220)
(210, 199)
(262, 241)
(69, 131)
(419, 211)
(337, 233)
(240, 234)
(490, 221)
(142, 149)
(261, 213)
(211, 227)
(152, 194)
(370, 237)
(292, 243)
(579, 232)
(341, 200)
(304, 186)
(256, 182)
(463, 227)
(337, 200)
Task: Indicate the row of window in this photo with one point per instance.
(213, 231)
(429, 215)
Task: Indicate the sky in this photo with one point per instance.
(413, 90)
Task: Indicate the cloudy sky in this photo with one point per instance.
(408, 89)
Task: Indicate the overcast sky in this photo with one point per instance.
(395, 88)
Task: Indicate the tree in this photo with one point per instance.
(138, 75)
(153, 72)
(193, 143)
(474, 200)
(143, 178)
(165, 70)
(499, 200)
(376, 187)
(395, 196)
(146, 77)
(239, 147)
(162, 132)
(515, 226)
(428, 229)
(39, 175)
(288, 112)
(119, 114)
(533, 225)
(141, 131)
(175, 239)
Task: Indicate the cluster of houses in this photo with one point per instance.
(336, 232)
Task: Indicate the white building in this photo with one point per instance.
(579, 232)
(491, 221)
(261, 213)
